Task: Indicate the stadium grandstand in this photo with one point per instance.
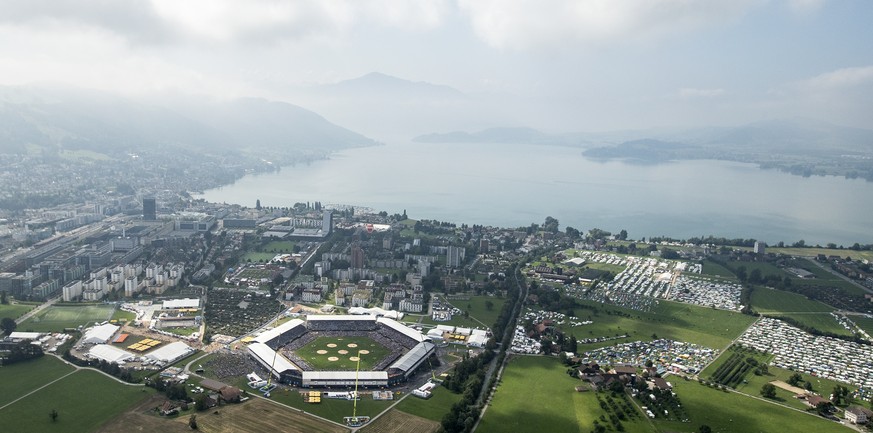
(275, 350)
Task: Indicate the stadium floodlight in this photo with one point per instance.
(355, 420)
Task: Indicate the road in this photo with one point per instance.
(819, 264)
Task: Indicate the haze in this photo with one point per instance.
(554, 65)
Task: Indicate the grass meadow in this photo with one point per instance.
(84, 400)
(684, 322)
(765, 300)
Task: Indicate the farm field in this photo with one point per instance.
(56, 318)
(433, 408)
(399, 422)
(258, 415)
(766, 300)
(334, 353)
(31, 414)
(14, 311)
(18, 379)
(683, 322)
(728, 412)
(543, 380)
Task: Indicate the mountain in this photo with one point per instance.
(51, 119)
(388, 107)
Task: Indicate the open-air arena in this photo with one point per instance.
(340, 350)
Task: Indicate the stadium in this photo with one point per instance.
(325, 351)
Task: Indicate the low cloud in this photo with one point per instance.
(840, 78)
(690, 92)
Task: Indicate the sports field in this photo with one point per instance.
(56, 318)
(84, 400)
(341, 353)
(480, 316)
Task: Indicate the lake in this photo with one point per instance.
(512, 185)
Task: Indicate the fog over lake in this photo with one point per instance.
(513, 185)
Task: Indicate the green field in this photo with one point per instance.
(813, 252)
(18, 379)
(433, 408)
(535, 394)
(479, 314)
(684, 322)
(84, 400)
(822, 321)
(123, 316)
(342, 344)
(732, 412)
(14, 311)
(765, 300)
(56, 318)
(716, 270)
(278, 247)
(866, 323)
(824, 278)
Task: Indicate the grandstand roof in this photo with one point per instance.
(269, 357)
(345, 375)
(405, 330)
(170, 352)
(415, 355)
(181, 303)
(266, 336)
(331, 317)
(100, 334)
(110, 353)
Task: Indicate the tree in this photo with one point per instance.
(795, 379)
(705, 429)
(622, 235)
(3, 299)
(768, 390)
(489, 305)
(192, 422)
(8, 325)
(53, 415)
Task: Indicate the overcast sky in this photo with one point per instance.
(607, 63)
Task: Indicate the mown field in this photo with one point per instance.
(732, 412)
(813, 252)
(18, 379)
(765, 300)
(824, 322)
(258, 416)
(344, 348)
(479, 313)
(83, 400)
(684, 322)
(433, 408)
(535, 394)
(399, 422)
(56, 318)
(14, 311)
